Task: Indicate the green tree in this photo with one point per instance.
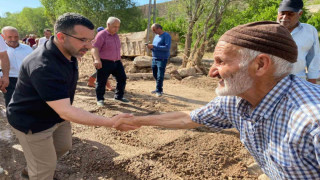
(28, 21)
(97, 11)
(315, 20)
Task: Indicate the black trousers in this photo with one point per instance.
(10, 90)
(117, 70)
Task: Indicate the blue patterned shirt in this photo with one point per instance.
(282, 133)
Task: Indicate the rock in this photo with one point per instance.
(142, 61)
(263, 177)
(175, 59)
(190, 78)
(143, 71)
(254, 169)
(170, 68)
(184, 72)
(175, 75)
(133, 70)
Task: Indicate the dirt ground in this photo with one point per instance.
(148, 153)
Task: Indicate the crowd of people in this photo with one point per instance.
(267, 90)
(32, 40)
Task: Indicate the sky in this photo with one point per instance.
(14, 6)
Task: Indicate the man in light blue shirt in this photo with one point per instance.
(160, 54)
(306, 38)
(16, 52)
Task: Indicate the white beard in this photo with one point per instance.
(236, 84)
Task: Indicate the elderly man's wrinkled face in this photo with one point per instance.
(289, 19)
(234, 79)
(114, 27)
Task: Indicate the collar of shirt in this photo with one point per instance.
(109, 34)
(18, 47)
(3, 46)
(297, 29)
(55, 50)
(265, 107)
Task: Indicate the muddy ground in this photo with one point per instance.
(148, 153)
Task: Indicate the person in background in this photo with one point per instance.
(4, 80)
(107, 60)
(36, 44)
(41, 108)
(47, 34)
(160, 48)
(306, 38)
(16, 52)
(275, 112)
(24, 40)
(31, 40)
(5, 65)
(93, 77)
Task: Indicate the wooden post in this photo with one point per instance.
(154, 11)
(148, 30)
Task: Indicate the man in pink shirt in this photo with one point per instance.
(107, 60)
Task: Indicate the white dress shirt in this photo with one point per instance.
(42, 41)
(3, 46)
(16, 56)
(306, 38)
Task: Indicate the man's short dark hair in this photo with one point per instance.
(45, 30)
(66, 22)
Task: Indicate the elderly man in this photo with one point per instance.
(107, 60)
(306, 38)
(41, 107)
(277, 114)
(5, 65)
(16, 52)
(47, 34)
(160, 54)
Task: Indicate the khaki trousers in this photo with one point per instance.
(42, 149)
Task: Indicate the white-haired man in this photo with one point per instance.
(16, 52)
(277, 114)
(107, 60)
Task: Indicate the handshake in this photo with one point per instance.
(177, 120)
(125, 122)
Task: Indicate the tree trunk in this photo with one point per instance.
(187, 46)
(197, 53)
(193, 13)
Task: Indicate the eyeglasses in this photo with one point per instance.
(84, 40)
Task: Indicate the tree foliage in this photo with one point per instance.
(28, 21)
(97, 11)
(315, 20)
(196, 20)
(34, 20)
